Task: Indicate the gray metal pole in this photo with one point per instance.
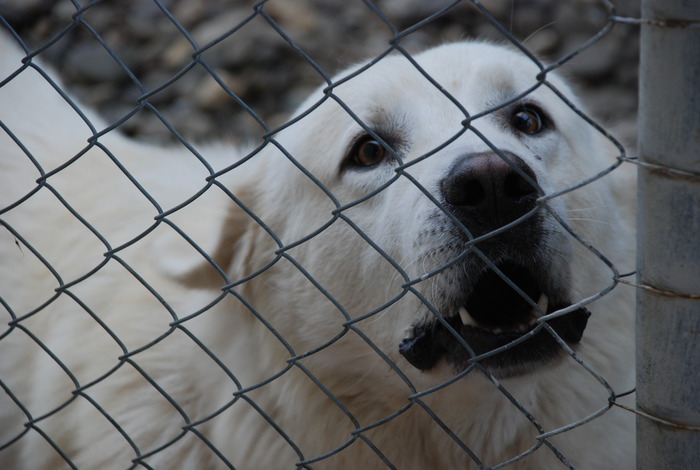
(668, 302)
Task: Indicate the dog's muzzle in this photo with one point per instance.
(498, 308)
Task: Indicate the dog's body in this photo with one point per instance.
(355, 370)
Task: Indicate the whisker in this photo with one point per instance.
(538, 30)
(582, 219)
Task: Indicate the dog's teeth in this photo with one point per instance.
(465, 317)
(542, 303)
(409, 332)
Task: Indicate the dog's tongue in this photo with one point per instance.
(432, 341)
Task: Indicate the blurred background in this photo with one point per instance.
(272, 78)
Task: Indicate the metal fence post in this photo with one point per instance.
(668, 302)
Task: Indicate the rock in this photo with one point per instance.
(89, 62)
(272, 77)
(594, 66)
(209, 94)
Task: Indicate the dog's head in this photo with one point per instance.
(415, 207)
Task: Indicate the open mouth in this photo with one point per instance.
(492, 316)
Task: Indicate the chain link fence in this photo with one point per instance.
(193, 318)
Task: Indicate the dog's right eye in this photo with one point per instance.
(529, 120)
(368, 152)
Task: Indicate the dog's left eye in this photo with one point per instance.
(368, 152)
(528, 119)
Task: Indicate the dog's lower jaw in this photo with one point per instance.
(460, 344)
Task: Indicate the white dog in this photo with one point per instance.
(333, 298)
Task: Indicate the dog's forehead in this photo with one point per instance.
(439, 84)
(470, 72)
(477, 64)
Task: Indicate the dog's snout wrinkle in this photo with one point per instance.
(486, 192)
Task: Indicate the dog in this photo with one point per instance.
(419, 270)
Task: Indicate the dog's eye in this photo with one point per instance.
(528, 120)
(368, 152)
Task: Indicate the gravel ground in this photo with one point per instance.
(272, 78)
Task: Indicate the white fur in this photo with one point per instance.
(355, 275)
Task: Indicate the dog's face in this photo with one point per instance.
(424, 213)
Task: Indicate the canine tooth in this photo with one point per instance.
(464, 316)
(542, 303)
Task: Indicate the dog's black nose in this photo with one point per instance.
(485, 192)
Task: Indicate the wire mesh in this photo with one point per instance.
(133, 368)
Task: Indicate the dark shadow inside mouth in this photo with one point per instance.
(432, 341)
(493, 316)
(495, 304)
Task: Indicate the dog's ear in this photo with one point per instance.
(221, 229)
(230, 249)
